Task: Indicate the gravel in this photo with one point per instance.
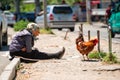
(71, 66)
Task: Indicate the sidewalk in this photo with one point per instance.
(70, 67)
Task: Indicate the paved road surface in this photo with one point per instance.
(4, 61)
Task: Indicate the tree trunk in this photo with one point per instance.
(45, 13)
(37, 7)
(17, 8)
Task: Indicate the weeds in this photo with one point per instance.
(46, 31)
(97, 55)
(110, 59)
(105, 57)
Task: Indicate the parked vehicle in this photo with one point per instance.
(98, 14)
(20, 16)
(3, 29)
(77, 11)
(30, 16)
(58, 16)
(114, 21)
(10, 18)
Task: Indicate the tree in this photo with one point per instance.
(5, 2)
(17, 6)
(70, 2)
(37, 6)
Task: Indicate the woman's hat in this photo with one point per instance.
(33, 26)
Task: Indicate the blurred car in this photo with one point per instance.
(30, 16)
(3, 29)
(10, 18)
(58, 17)
(114, 21)
(20, 16)
(98, 14)
(77, 11)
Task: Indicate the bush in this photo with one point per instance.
(20, 25)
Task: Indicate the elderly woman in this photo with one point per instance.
(23, 42)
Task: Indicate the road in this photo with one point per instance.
(4, 61)
(103, 35)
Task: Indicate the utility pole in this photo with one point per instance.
(88, 11)
(45, 13)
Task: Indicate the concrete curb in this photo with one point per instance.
(107, 68)
(10, 70)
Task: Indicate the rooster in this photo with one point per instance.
(85, 47)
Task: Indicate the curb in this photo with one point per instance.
(10, 70)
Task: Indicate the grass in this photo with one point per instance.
(110, 59)
(96, 55)
(46, 31)
(106, 57)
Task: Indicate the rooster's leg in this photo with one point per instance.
(83, 57)
(87, 56)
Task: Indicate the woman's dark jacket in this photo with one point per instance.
(23, 39)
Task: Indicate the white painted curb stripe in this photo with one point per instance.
(10, 70)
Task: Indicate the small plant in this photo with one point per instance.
(20, 25)
(46, 31)
(19, 67)
(110, 59)
(96, 55)
(106, 57)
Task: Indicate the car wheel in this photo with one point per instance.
(5, 39)
(60, 29)
(71, 29)
(112, 34)
(0, 37)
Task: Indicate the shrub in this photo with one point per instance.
(20, 25)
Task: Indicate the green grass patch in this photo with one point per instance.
(20, 25)
(96, 55)
(110, 59)
(46, 31)
(106, 57)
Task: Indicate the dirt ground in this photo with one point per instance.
(71, 66)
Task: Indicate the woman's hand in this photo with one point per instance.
(23, 49)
